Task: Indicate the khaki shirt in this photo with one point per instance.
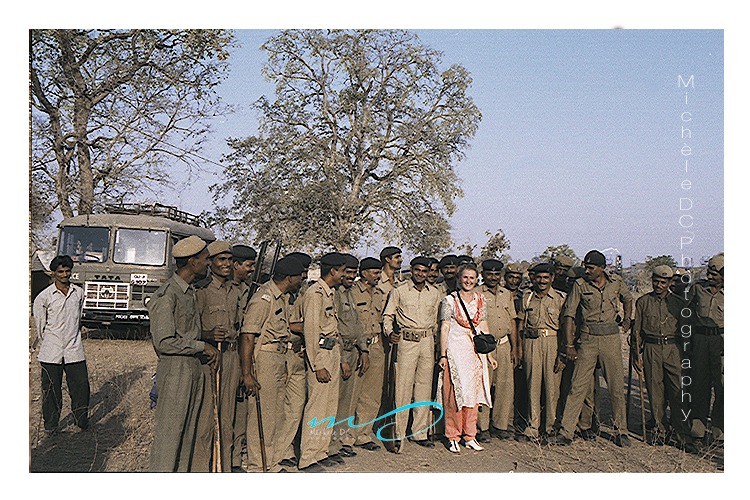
(708, 307)
(351, 329)
(544, 312)
(294, 314)
(319, 316)
(244, 290)
(501, 310)
(175, 324)
(369, 306)
(412, 309)
(219, 306)
(658, 317)
(597, 306)
(266, 315)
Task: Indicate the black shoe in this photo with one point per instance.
(484, 437)
(425, 443)
(588, 434)
(688, 447)
(559, 440)
(395, 446)
(369, 446)
(289, 462)
(237, 468)
(522, 438)
(313, 468)
(622, 440)
(346, 452)
(330, 462)
(501, 433)
(282, 470)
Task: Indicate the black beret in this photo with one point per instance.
(304, 259)
(243, 252)
(370, 263)
(463, 259)
(289, 266)
(596, 258)
(433, 260)
(449, 260)
(351, 261)
(420, 261)
(388, 251)
(333, 259)
(492, 265)
(543, 267)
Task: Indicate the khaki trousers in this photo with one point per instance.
(341, 433)
(607, 349)
(540, 355)
(295, 395)
(368, 395)
(414, 366)
(662, 372)
(227, 404)
(180, 389)
(502, 402)
(270, 368)
(240, 432)
(322, 403)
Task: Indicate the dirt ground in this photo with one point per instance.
(121, 433)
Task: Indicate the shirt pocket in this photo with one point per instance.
(216, 316)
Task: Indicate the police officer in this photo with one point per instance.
(448, 267)
(391, 258)
(221, 314)
(656, 329)
(265, 341)
(323, 357)
(176, 331)
(707, 304)
(414, 307)
(296, 379)
(563, 264)
(597, 297)
(501, 320)
(511, 282)
(540, 313)
(243, 266)
(355, 360)
(369, 299)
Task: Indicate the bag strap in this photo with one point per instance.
(466, 311)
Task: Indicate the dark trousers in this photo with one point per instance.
(77, 377)
(708, 373)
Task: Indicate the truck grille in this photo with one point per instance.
(105, 295)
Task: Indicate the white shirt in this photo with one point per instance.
(58, 324)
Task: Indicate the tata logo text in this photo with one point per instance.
(105, 277)
(350, 421)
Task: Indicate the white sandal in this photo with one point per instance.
(454, 447)
(474, 445)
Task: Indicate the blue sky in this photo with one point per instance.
(580, 140)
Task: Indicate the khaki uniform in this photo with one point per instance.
(240, 418)
(707, 356)
(541, 323)
(416, 314)
(295, 393)
(657, 323)
(600, 340)
(352, 341)
(219, 306)
(367, 397)
(501, 316)
(175, 331)
(320, 322)
(266, 317)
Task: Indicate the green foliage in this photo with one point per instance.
(496, 246)
(553, 251)
(661, 260)
(111, 109)
(361, 138)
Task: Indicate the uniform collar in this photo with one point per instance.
(217, 283)
(327, 289)
(181, 283)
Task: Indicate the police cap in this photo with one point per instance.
(333, 259)
(217, 247)
(596, 258)
(288, 266)
(663, 271)
(389, 251)
(187, 247)
(492, 265)
(370, 263)
(304, 259)
(420, 261)
(243, 252)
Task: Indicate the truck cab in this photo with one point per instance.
(121, 257)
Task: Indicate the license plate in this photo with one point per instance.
(138, 279)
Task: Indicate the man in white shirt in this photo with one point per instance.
(57, 316)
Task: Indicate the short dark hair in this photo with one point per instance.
(61, 260)
(325, 269)
(181, 262)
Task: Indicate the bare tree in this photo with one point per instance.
(111, 109)
(362, 138)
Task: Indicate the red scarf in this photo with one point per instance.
(459, 314)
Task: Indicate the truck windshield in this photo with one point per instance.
(140, 246)
(84, 244)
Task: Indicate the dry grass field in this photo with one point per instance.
(122, 431)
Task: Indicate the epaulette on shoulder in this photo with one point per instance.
(162, 289)
(266, 297)
(560, 293)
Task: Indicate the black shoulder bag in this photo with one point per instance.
(484, 343)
